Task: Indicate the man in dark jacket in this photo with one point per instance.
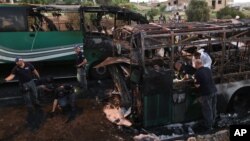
(81, 67)
(25, 72)
(204, 82)
(65, 99)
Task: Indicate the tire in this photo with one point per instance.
(240, 102)
(98, 73)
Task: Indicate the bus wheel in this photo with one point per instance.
(240, 102)
(99, 73)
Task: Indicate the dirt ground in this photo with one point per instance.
(90, 125)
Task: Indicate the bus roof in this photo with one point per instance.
(125, 13)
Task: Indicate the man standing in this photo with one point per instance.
(162, 19)
(24, 72)
(81, 68)
(204, 57)
(204, 82)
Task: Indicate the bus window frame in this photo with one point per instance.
(20, 12)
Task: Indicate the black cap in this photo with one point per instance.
(18, 58)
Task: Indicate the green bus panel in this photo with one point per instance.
(157, 110)
(157, 91)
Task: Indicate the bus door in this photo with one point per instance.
(55, 34)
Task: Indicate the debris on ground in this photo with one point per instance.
(222, 135)
(146, 137)
(116, 115)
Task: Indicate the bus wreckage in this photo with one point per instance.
(143, 73)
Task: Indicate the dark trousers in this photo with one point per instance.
(208, 106)
(81, 78)
(35, 114)
(69, 100)
(30, 95)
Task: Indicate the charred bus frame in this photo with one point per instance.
(155, 99)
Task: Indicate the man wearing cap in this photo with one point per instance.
(24, 72)
(81, 62)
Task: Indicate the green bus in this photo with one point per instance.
(46, 35)
(39, 34)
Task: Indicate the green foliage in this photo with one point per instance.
(37, 1)
(153, 12)
(49, 1)
(116, 2)
(162, 7)
(198, 10)
(128, 6)
(103, 2)
(87, 3)
(68, 1)
(228, 13)
(246, 13)
(111, 2)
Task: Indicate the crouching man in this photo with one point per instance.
(65, 100)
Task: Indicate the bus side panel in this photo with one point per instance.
(39, 46)
(56, 39)
(16, 40)
(12, 43)
(157, 98)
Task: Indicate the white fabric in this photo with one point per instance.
(205, 59)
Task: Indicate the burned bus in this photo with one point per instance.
(47, 34)
(40, 34)
(143, 68)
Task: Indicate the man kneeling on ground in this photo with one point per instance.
(65, 99)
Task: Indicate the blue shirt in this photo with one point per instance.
(80, 58)
(24, 74)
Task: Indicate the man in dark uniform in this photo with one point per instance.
(81, 67)
(204, 82)
(65, 99)
(24, 72)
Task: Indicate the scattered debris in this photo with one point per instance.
(115, 115)
(228, 119)
(146, 137)
(218, 136)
